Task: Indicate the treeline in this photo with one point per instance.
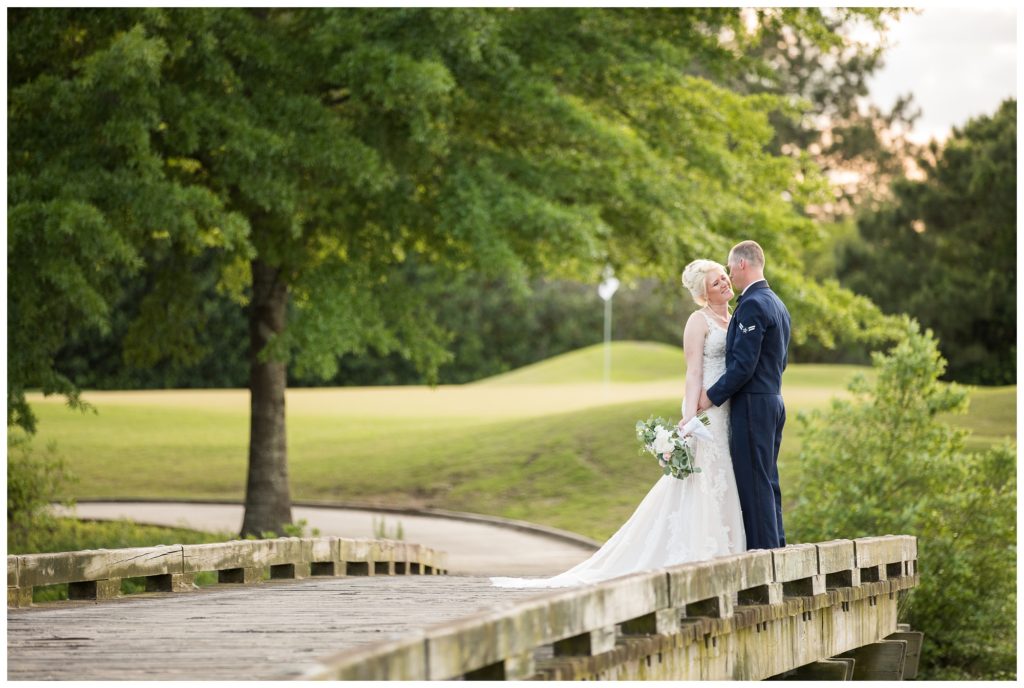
(943, 248)
(940, 247)
(494, 328)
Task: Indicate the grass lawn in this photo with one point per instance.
(561, 452)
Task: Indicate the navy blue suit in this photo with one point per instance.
(755, 356)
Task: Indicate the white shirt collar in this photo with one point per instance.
(752, 284)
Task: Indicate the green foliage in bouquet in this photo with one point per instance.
(884, 462)
(661, 439)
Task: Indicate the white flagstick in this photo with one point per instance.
(606, 290)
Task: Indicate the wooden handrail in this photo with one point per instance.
(97, 574)
(598, 630)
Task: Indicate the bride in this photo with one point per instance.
(685, 520)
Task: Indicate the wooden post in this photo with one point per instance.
(171, 582)
(246, 575)
(19, 597)
(296, 571)
(587, 644)
(94, 590)
(660, 622)
(515, 668)
(718, 607)
(839, 669)
(914, 640)
(881, 661)
(769, 593)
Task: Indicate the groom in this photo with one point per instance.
(755, 358)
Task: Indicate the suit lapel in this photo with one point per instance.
(730, 334)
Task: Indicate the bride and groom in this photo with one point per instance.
(734, 365)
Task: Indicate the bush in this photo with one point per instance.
(882, 462)
(33, 483)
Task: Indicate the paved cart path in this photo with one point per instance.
(474, 547)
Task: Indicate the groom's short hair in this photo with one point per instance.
(749, 251)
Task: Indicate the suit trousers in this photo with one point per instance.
(757, 421)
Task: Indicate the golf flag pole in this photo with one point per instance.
(606, 290)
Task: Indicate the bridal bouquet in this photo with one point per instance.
(671, 445)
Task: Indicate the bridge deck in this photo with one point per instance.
(233, 632)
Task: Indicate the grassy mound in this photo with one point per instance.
(630, 362)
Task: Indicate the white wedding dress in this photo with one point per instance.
(679, 520)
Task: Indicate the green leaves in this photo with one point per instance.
(957, 227)
(34, 483)
(337, 146)
(93, 197)
(883, 462)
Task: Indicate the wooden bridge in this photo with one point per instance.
(323, 608)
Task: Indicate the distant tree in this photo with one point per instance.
(859, 146)
(944, 249)
(303, 156)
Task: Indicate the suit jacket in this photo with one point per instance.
(756, 346)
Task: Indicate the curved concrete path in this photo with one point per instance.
(474, 547)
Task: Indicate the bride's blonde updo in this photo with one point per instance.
(694, 278)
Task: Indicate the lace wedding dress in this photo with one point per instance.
(679, 520)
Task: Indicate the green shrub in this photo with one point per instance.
(33, 483)
(882, 462)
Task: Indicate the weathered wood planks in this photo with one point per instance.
(277, 629)
(745, 617)
(97, 574)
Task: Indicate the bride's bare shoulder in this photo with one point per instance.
(695, 331)
(697, 321)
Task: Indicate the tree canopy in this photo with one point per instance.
(297, 159)
(944, 248)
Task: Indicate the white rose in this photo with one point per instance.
(663, 441)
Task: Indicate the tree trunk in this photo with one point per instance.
(267, 501)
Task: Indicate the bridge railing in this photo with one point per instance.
(97, 574)
(746, 617)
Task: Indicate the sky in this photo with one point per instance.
(958, 62)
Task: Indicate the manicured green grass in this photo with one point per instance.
(992, 416)
(562, 454)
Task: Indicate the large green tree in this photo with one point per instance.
(301, 157)
(944, 248)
